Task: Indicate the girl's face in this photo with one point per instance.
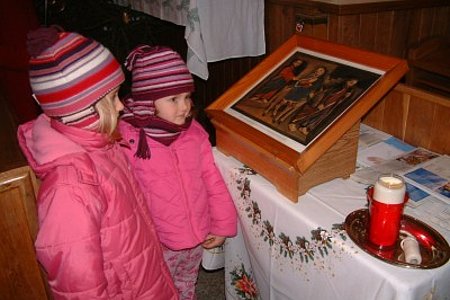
(114, 96)
(175, 108)
(108, 110)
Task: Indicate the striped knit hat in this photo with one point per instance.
(157, 72)
(70, 75)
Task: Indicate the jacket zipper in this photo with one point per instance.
(185, 198)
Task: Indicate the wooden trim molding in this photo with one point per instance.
(311, 19)
(358, 8)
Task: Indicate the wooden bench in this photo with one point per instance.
(21, 276)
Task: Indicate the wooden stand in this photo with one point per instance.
(332, 154)
(338, 161)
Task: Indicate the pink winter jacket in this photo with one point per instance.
(185, 191)
(96, 238)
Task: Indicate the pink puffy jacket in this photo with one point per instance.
(185, 191)
(96, 239)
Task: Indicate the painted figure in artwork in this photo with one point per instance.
(304, 89)
(286, 75)
(312, 115)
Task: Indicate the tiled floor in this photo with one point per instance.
(210, 285)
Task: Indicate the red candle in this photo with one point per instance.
(386, 202)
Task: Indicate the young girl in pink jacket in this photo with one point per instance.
(96, 238)
(172, 159)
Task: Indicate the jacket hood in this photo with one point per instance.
(47, 143)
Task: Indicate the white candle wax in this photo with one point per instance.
(389, 189)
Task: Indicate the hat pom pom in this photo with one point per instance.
(135, 54)
(40, 39)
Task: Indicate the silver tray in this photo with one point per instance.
(434, 248)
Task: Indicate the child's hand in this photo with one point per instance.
(213, 241)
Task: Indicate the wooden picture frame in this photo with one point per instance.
(292, 162)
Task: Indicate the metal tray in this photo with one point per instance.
(434, 248)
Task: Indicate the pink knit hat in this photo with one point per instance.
(70, 75)
(157, 72)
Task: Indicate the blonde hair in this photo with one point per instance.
(108, 117)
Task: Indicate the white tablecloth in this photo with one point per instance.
(300, 251)
(215, 29)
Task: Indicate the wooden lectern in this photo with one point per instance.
(260, 127)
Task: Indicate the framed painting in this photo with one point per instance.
(297, 100)
(296, 114)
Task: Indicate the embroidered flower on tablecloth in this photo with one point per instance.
(338, 229)
(322, 240)
(243, 283)
(254, 213)
(267, 233)
(306, 252)
(243, 185)
(286, 246)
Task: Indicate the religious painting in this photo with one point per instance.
(299, 98)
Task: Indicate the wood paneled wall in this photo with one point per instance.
(386, 27)
(10, 154)
(417, 117)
